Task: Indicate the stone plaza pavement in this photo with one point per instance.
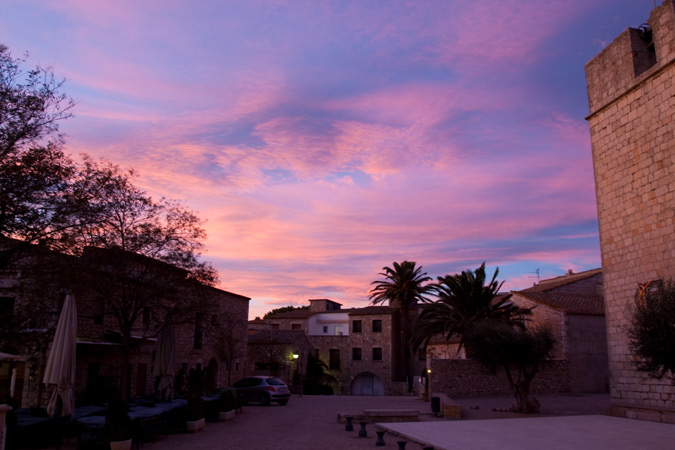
(310, 422)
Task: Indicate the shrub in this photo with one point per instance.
(227, 400)
(651, 332)
(195, 407)
(117, 421)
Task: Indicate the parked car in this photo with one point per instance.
(263, 390)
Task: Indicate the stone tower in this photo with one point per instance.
(631, 96)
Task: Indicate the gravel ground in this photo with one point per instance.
(311, 422)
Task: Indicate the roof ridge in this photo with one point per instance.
(562, 280)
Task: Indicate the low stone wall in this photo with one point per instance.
(466, 378)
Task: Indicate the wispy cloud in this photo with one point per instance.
(324, 140)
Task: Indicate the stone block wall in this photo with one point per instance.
(632, 137)
(542, 315)
(458, 378)
(587, 353)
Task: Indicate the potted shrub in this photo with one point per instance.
(227, 404)
(117, 424)
(195, 413)
(196, 419)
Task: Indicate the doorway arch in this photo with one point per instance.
(212, 376)
(367, 383)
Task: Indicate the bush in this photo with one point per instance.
(227, 400)
(195, 407)
(651, 332)
(517, 351)
(117, 421)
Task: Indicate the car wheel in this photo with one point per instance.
(264, 400)
(283, 402)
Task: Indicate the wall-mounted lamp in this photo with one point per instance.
(32, 366)
(295, 356)
(428, 370)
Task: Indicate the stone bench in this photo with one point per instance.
(391, 415)
(450, 409)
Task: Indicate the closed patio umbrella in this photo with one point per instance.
(163, 366)
(60, 369)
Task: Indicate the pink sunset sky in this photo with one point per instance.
(323, 140)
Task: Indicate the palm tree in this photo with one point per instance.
(464, 300)
(402, 287)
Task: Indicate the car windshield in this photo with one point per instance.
(275, 382)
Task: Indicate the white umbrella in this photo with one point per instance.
(163, 366)
(60, 369)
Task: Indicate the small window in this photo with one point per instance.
(325, 329)
(6, 310)
(334, 362)
(98, 309)
(356, 354)
(296, 326)
(377, 354)
(377, 326)
(356, 326)
(198, 339)
(339, 331)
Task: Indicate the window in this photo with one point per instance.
(339, 330)
(6, 310)
(356, 354)
(199, 332)
(98, 307)
(296, 326)
(377, 326)
(356, 326)
(325, 329)
(334, 359)
(377, 354)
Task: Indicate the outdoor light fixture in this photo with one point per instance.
(32, 363)
(428, 370)
(295, 356)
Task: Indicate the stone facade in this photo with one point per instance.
(280, 353)
(215, 343)
(573, 307)
(355, 344)
(631, 91)
(459, 378)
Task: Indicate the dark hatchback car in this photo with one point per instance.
(263, 390)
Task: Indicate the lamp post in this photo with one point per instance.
(297, 376)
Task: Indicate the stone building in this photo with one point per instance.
(33, 288)
(279, 353)
(355, 344)
(573, 307)
(631, 94)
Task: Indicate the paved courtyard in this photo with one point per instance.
(310, 422)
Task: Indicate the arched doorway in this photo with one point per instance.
(212, 376)
(367, 384)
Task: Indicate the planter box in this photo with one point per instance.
(120, 445)
(227, 415)
(197, 425)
